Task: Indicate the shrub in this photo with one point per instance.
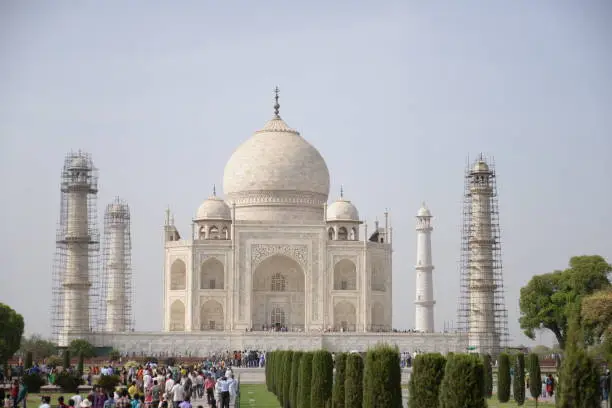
(305, 381)
(383, 378)
(287, 363)
(338, 390)
(535, 377)
(109, 382)
(66, 358)
(463, 381)
(322, 379)
(114, 355)
(33, 382)
(54, 361)
(488, 375)
(68, 382)
(518, 383)
(353, 382)
(427, 375)
(295, 374)
(28, 360)
(503, 378)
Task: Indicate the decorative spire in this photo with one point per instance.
(276, 105)
(168, 215)
(341, 192)
(214, 190)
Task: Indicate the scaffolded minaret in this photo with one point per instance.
(76, 259)
(117, 274)
(424, 319)
(482, 312)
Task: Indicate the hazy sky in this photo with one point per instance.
(394, 94)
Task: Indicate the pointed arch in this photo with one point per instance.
(377, 317)
(211, 316)
(212, 274)
(177, 316)
(345, 275)
(178, 275)
(330, 233)
(342, 234)
(345, 316)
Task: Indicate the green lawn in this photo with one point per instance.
(493, 403)
(257, 396)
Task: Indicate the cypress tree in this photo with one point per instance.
(338, 391)
(80, 367)
(518, 383)
(66, 363)
(463, 382)
(280, 375)
(579, 375)
(322, 379)
(353, 382)
(295, 374)
(305, 381)
(503, 378)
(28, 360)
(383, 376)
(535, 377)
(287, 378)
(425, 380)
(269, 363)
(488, 375)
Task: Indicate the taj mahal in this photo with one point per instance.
(270, 263)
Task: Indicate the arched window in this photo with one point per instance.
(342, 234)
(213, 233)
(225, 233)
(330, 234)
(279, 283)
(353, 234)
(277, 318)
(178, 275)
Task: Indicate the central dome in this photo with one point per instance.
(276, 167)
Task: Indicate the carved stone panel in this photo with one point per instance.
(259, 252)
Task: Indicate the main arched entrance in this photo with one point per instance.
(278, 295)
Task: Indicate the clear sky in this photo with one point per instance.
(394, 94)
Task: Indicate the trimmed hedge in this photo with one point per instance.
(518, 383)
(338, 390)
(488, 375)
(503, 378)
(424, 385)
(353, 383)
(535, 377)
(463, 381)
(305, 381)
(382, 378)
(322, 379)
(295, 374)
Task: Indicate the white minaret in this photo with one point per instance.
(482, 333)
(78, 182)
(424, 318)
(117, 266)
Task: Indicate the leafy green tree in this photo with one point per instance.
(488, 375)
(81, 346)
(535, 377)
(579, 375)
(39, 347)
(295, 378)
(305, 381)
(424, 385)
(596, 315)
(382, 372)
(518, 384)
(462, 385)
(547, 299)
(322, 379)
(11, 330)
(353, 383)
(66, 359)
(503, 378)
(338, 391)
(287, 364)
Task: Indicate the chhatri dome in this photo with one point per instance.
(342, 210)
(276, 175)
(213, 208)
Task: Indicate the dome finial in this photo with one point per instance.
(276, 105)
(341, 191)
(214, 190)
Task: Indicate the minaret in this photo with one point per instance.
(117, 268)
(77, 249)
(424, 314)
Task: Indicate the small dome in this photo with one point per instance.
(79, 162)
(118, 210)
(480, 167)
(342, 210)
(424, 211)
(214, 208)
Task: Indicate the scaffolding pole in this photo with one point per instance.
(482, 314)
(75, 268)
(117, 293)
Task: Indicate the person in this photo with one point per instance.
(224, 392)
(110, 400)
(133, 390)
(186, 403)
(233, 387)
(85, 404)
(178, 394)
(155, 394)
(60, 402)
(605, 385)
(550, 385)
(209, 388)
(46, 402)
(22, 396)
(77, 400)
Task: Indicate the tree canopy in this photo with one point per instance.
(38, 346)
(11, 330)
(547, 300)
(81, 346)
